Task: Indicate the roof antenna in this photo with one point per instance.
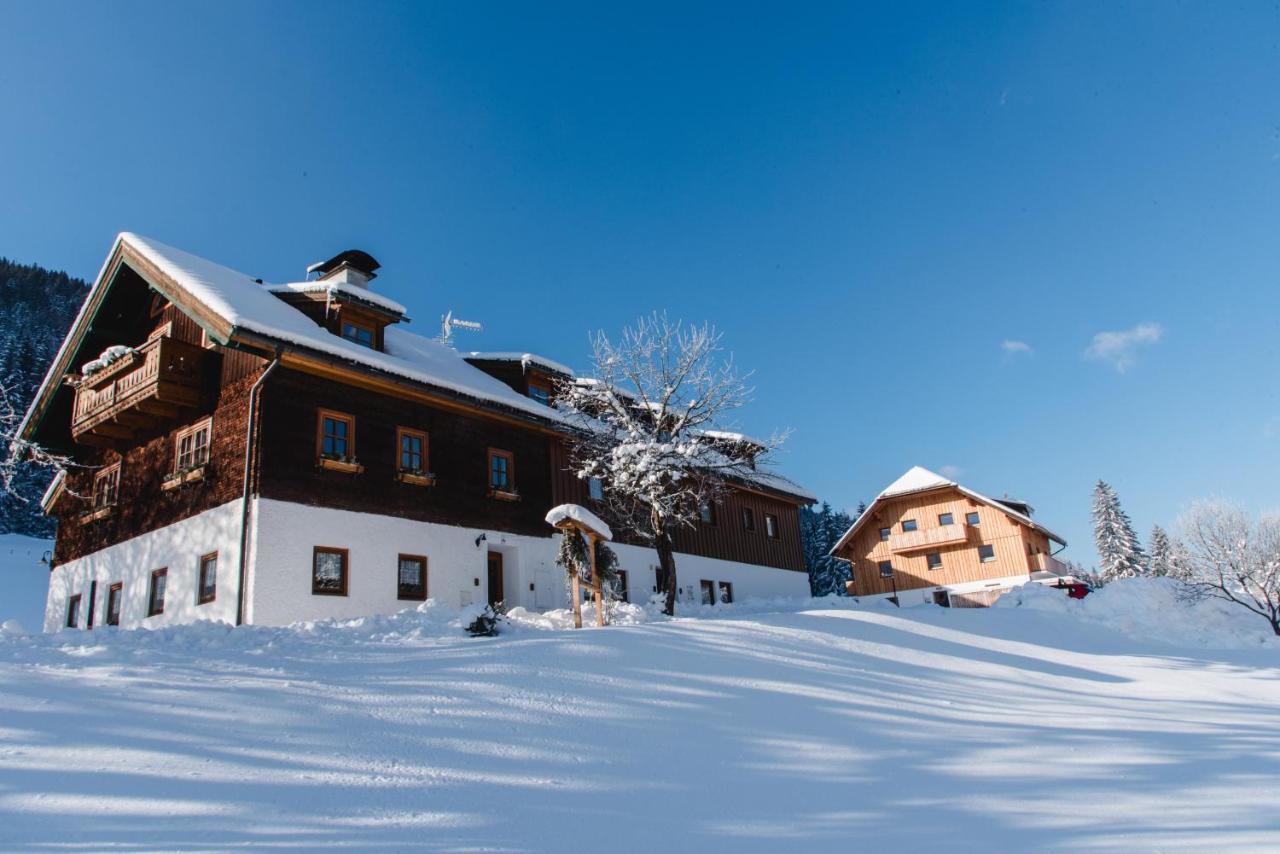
(448, 323)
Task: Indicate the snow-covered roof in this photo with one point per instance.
(577, 513)
(244, 303)
(52, 489)
(525, 360)
(732, 436)
(920, 479)
(342, 289)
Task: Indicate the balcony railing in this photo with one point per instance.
(1046, 563)
(923, 538)
(137, 392)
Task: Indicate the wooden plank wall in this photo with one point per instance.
(1011, 540)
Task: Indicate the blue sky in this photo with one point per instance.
(869, 201)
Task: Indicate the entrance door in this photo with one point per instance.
(495, 578)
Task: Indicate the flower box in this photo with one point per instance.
(504, 495)
(178, 478)
(416, 478)
(97, 513)
(347, 466)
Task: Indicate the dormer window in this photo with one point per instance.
(359, 333)
(540, 392)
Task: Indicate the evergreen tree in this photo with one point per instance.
(1119, 551)
(1161, 552)
(820, 530)
(37, 307)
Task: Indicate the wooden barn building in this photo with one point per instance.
(255, 453)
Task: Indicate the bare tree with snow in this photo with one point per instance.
(1232, 556)
(646, 428)
(1119, 551)
(23, 465)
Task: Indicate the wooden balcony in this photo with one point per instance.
(926, 538)
(137, 394)
(1046, 563)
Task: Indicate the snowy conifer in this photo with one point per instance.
(1160, 556)
(1119, 551)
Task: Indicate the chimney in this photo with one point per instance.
(352, 267)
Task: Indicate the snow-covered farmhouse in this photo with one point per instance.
(257, 453)
(928, 539)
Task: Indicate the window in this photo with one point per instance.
(501, 470)
(337, 435)
(595, 489)
(884, 534)
(73, 612)
(114, 593)
(726, 592)
(986, 554)
(707, 513)
(540, 393)
(886, 568)
(908, 525)
(971, 519)
(708, 592)
(771, 526)
(946, 519)
(411, 578)
(155, 598)
(193, 445)
(620, 587)
(748, 519)
(93, 601)
(358, 332)
(207, 588)
(329, 571)
(413, 449)
(933, 560)
(106, 486)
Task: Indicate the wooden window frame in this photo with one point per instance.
(346, 570)
(510, 488)
(115, 593)
(321, 415)
(748, 515)
(401, 433)
(975, 522)
(192, 431)
(72, 620)
(112, 470)
(928, 561)
(422, 559)
(162, 572)
(915, 525)
(771, 529)
(982, 559)
(950, 515)
(885, 534)
(201, 599)
(343, 323)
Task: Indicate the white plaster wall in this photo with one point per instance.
(285, 534)
(918, 595)
(178, 547)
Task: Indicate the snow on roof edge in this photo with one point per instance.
(351, 291)
(524, 359)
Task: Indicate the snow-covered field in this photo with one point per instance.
(816, 725)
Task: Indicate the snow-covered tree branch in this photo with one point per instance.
(648, 426)
(1229, 555)
(21, 461)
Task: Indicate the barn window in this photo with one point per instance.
(884, 534)
(908, 525)
(972, 519)
(986, 554)
(933, 560)
(411, 580)
(748, 519)
(329, 571)
(946, 519)
(771, 525)
(155, 596)
(207, 588)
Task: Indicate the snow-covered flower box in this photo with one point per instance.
(188, 475)
(504, 494)
(347, 465)
(416, 478)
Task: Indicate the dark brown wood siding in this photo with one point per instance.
(143, 506)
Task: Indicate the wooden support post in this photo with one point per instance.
(577, 592)
(595, 581)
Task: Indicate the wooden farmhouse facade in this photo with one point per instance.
(255, 453)
(929, 539)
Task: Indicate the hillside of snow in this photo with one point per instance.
(24, 581)
(819, 726)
